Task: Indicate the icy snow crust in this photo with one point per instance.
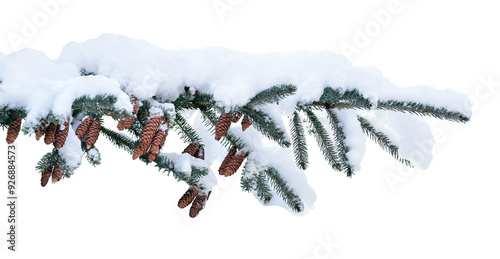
(123, 65)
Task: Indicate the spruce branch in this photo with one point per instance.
(186, 132)
(299, 142)
(324, 141)
(262, 188)
(348, 99)
(341, 147)
(267, 126)
(283, 190)
(422, 110)
(120, 140)
(382, 140)
(272, 95)
(252, 180)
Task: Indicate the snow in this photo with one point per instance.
(72, 152)
(234, 77)
(93, 154)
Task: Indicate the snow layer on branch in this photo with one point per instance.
(42, 86)
(235, 77)
(72, 152)
(411, 134)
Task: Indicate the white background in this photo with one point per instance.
(124, 208)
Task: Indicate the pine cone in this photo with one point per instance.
(56, 174)
(147, 136)
(157, 144)
(93, 133)
(45, 177)
(128, 122)
(198, 205)
(223, 125)
(39, 132)
(135, 102)
(121, 124)
(234, 164)
(245, 123)
(188, 197)
(50, 134)
(61, 136)
(200, 153)
(192, 148)
(84, 127)
(13, 130)
(236, 117)
(226, 161)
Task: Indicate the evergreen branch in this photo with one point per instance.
(210, 120)
(187, 133)
(48, 161)
(262, 188)
(282, 189)
(299, 142)
(323, 140)
(256, 181)
(382, 140)
(99, 106)
(422, 110)
(349, 99)
(263, 123)
(272, 95)
(120, 140)
(342, 148)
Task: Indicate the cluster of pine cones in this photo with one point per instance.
(196, 197)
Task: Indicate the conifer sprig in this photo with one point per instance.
(422, 110)
(382, 140)
(324, 141)
(341, 147)
(272, 95)
(299, 142)
(267, 126)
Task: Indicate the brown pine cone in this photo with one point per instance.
(147, 136)
(226, 161)
(128, 122)
(45, 177)
(236, 117)
(245, 123)
(200, 153)
(39, 132)
(84, 127)
(93, 133)
(157, 144)
(61, 135)
(13, 130)
(121, 124)
(192, 148)
(56, 174)
(50, 134)
(198, 205)
(135, 102)
(223, 125)
(234, 164)
(188, 197)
